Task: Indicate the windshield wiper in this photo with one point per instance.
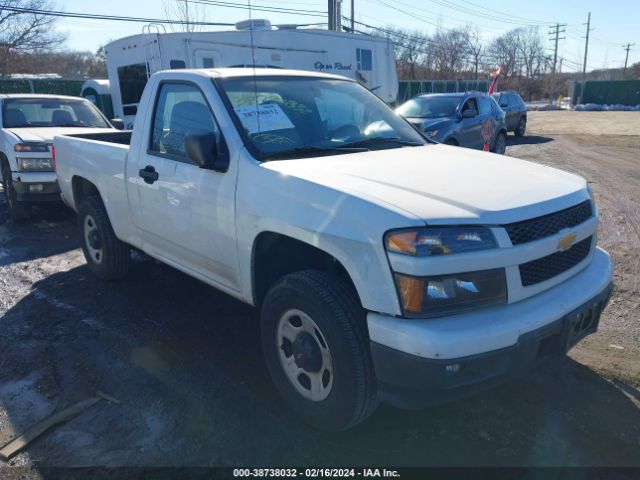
(377, 140)
(293, 152)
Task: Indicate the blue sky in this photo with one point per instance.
(615, 22)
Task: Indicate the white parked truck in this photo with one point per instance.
(29, 123)
(131, 60)
(386, 268)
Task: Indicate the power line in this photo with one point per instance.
(263, 8)
(55, 13)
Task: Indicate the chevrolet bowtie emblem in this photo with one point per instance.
(566, 242)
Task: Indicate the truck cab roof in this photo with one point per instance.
(36, 95)
(250, 72)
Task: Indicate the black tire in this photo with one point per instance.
(17, 210)
(500, 145)
(342, 323)
(115, 255)
(521, 128)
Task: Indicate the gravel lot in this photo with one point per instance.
(186, 364)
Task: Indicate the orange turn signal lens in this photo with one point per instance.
(402, 242)
(411, 292)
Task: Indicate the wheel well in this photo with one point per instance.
(4, 161)
(276, 255)
(82, 188)
(452, 141)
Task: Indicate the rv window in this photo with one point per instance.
(180, 109)
(177, 64)
(365, 59)
(132, 79)
(207, 62)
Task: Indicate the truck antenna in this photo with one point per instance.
(253, 64)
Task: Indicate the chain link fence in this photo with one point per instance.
(52, 86)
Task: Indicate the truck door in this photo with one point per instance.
(185, 214)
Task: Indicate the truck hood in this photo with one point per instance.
(442, 184)
(46, 134)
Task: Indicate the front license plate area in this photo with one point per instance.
(584, 320)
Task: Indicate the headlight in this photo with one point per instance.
(35, 164)
(448, 294)
(431, 133)
(31, 147)
(429, 241)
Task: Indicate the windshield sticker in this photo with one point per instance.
(264, 118)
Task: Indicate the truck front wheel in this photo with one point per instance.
(17, 210)
(107, 256)
(316, 346)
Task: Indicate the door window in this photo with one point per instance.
(180, 109)
(470, 104)
(485, 105)
(364, 59)
(132, 80)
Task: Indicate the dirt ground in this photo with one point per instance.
(185, 360)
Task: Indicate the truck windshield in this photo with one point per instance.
(433, 107)
(297, 117)
(50, 112)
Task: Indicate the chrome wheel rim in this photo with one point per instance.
(304, 355)
(92, 239)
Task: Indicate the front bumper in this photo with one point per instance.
(36, 187)
(436, 360)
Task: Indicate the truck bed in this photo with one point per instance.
(122, 138)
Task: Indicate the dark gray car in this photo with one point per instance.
(516, 111)
(465, 119)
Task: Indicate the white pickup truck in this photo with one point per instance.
(29, 123)
(386, 268)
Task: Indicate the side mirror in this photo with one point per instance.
(203, 150)
(470, 113)
(117, 123)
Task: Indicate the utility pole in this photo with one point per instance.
(338, 21)
(626, 59)
(353, 17)
(560, 67)
(555, 32)
(586, 50)
(331, 11)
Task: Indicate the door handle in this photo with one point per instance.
(148, 174)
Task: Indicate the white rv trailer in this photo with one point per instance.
(131, 60)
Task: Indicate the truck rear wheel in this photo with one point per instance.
(316, 347)
(17, 210)
(107, 256)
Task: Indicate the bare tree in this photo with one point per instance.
(451, 51)
(411, 51)
(192, 14)
(475, 48)
(23, 30)
(529, 46)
